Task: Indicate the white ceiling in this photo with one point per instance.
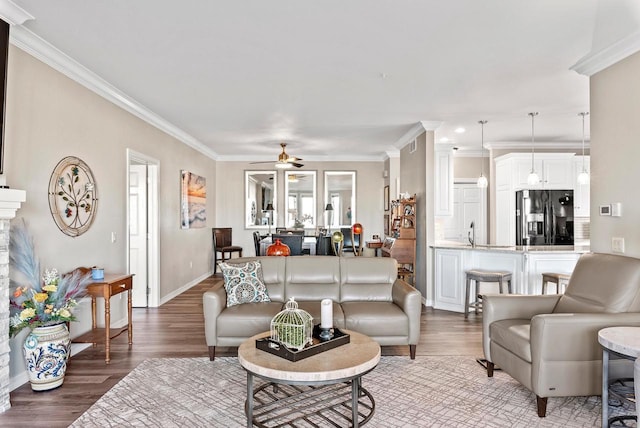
(335, 79)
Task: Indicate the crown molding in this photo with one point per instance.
(539, 145)
(417, 129)
(13, 14)
(347, 158)
(594, 62)
(52, 56)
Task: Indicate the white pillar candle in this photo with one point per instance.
(326, 313)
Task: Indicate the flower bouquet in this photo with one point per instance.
(44, 305)
(40, 302)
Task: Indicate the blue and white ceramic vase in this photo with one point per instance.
(46, 351)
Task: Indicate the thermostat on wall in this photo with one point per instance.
(605, 209)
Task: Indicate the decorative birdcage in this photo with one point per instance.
(292, 327)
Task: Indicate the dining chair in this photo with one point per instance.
(222, 243)
(294, 242)
(256, 241)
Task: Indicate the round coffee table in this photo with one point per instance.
(324, 387)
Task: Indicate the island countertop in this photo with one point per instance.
(557, 249)
(526, 263)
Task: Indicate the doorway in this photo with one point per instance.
(143, 251)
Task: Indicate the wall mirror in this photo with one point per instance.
(300, 201)
(260, 199)
(340, 198)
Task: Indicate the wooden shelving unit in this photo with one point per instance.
(401, 243)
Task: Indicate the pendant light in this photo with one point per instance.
(583, 177)
(482, 180)
(533, 178)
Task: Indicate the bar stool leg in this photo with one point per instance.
(466, 300)
(509, 287)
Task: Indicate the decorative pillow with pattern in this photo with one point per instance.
(244, 283)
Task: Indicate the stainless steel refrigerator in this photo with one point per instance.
(544, 217)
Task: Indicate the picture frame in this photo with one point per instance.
(386, 225)
(193, 200)
(386, 197)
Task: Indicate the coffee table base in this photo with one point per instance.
(272, 404)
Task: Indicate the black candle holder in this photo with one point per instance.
(326, 333)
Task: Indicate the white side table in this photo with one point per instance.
(624, 342)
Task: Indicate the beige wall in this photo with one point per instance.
(50, 117)
(413, 179)
(470, 167)
(230, 196)
(615, 154)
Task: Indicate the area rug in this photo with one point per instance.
(425, 392)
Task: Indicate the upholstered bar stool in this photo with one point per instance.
(477, 276)
(560, 279)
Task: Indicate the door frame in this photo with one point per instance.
(153, 225)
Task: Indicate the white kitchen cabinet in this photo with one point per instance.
(554, 170)
(449, 280)
(505, 217)
(469, 205)
(443, 181)
(582, 193)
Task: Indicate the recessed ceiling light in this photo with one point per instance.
(460, 130)
(444, 139)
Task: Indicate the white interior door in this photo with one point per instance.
(469, 205)
(138, 234)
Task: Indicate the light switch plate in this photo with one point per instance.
(617, 245)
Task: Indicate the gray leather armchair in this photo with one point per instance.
(549, 343)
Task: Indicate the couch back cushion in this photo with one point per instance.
(312, 278)
(367, 278)
(272, 272)
(602, 283)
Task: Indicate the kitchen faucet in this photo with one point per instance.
(472, 239)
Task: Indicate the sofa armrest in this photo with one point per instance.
(496, 307)
(410, 301)
(573, 337)
(214, 301)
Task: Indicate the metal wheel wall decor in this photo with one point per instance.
(73, 196)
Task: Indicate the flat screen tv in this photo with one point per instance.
(4, 52)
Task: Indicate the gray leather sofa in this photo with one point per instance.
(367, 298)
(549, 343)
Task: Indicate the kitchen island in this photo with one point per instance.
(526, 263)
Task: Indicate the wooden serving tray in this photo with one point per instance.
(276, 348)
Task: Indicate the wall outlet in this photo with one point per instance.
(191, 265)
(113, 237)
(617, 245)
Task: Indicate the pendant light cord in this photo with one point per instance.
(533, 144)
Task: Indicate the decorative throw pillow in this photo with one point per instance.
(244, 283)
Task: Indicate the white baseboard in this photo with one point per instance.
(185, 287)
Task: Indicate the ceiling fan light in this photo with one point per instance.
(482, 182)
(283, 165)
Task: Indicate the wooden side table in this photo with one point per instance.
(376, 245)
(111, 285)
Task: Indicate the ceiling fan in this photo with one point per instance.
(284, 160)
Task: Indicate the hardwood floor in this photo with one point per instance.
(176, 329)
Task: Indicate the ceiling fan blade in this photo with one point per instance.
(293, 159)
(297, 165)
(260, 162)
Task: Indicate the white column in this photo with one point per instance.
(10, 200)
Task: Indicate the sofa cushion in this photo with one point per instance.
(513, 335)
(247, 320)
(314, 310)
(243, 283)
(602, 283)
(375, 318)
(367, 278)
(312, 278)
